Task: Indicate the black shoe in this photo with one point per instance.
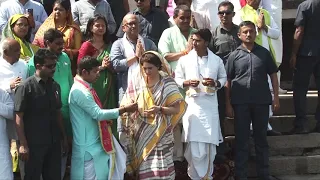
(301, 130)
(273, 133)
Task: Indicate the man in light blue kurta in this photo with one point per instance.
(89, 160)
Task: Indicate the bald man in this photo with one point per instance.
(12, 72)
(152, 21)
(126, 51)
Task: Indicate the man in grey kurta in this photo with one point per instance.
(83, 10)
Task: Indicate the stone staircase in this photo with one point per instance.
(292, 157)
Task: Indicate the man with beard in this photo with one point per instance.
(53, 39)
(38, 120)
(126, 51)
(152, 21)
(248, 97)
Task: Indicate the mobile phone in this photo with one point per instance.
(30, 11)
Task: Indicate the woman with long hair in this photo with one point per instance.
(61, 19)
(19, 29)
(147, 135)
(98, 45)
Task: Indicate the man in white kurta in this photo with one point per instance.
(201, 122)
(6, 114)
(12, 72)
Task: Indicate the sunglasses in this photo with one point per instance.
(139, 0)
(225, 12)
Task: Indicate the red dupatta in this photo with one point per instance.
(104, 125)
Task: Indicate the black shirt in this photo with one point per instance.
(224, 41)
(39, 101)
(151, 25)
(308, 16)
(248, 74)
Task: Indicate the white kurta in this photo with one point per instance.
(6, 114)
(210, 6)
(201, 121)
(201, 124)
(9, 72)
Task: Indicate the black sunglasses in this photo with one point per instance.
(139, 0)
(225, 12)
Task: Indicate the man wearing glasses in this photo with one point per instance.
(126, 51)
(39, 122)
(63, 76)
(152, 21)
(225, 40)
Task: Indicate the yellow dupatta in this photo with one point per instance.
(26, 49)
(247, 13)
(145, 100)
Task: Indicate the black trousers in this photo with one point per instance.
(222, 115)
(259, 115)
(305, 67)
(44, 160)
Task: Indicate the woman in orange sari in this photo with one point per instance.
(61, 19)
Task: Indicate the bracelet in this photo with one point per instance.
(185, 52)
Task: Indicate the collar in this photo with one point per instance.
(77, 77)
(39, 80)
(233, 27)
(177, 28)
(21, 3)
(89, 1)
(246, 50)
(136, 11)
(5, 62)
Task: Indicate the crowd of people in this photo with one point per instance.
(125, 94)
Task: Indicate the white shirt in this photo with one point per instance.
(12, 7)
(201, 121)
(9, 72)
(210, 6)
(6, 114)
